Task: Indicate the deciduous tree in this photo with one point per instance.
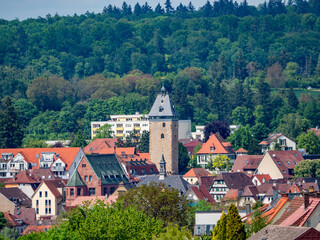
(310, 142)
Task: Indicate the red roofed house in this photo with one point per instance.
(246, 163)
(15, 222)
(259, 179)
(284, 143)
(279, 164)
(61, 161)
(47, 199)
(136, 163)
(241, 151)
(197, 193)
(194, 174)
(215, 146)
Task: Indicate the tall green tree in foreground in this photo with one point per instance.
(11, 133)
(235, 227)
(104, 132)
(220, 232)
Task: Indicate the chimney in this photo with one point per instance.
(275, 195)
(306, 200)
(248, 209)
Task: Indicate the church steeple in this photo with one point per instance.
(163, 171)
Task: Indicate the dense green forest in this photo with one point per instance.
(225, 61)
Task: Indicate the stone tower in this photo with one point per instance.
(163, 120)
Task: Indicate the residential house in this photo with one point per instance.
(279, 164)
(194, 174)
(226, 181)
(61, 161)
(135, 163)
(278, 140)
(206, 181)
(12, 198)
(18, 224)
(197, 193)
(246, 163)
(190, 144)
(28, 215)
(37, 226)
(302, 212)
(259, 179)
(214, 146)
(48, 198)
(96, 175)
(307, 184)
(274, 232)
(241, 151)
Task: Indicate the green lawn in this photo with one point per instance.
(314, 92)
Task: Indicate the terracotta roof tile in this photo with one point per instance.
(53, 185)
(293, 206)
(273, 211)
(260, 177)
(202, 193)
(106, 145)
(12, 220)
(36, 229)
(82, 199)
(219, 146)
(246, 162)
(21, 177)
(206, 181)
(16, 195)
(28, 215)
(231, 195)
(241, 150)
(236, 180)
(197, 172)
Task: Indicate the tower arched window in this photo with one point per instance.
(162, 135)
(163, 124)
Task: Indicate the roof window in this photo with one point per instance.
(288, 163)
(279, 163)
(295, 162)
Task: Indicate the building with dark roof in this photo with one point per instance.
(246, 163)
(96, 175)
(12, 198)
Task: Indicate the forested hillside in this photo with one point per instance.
(218, 62)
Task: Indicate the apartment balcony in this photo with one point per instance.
(136, 128)
(119, 134)
(58, 169)
(3, 169)
(119, 128)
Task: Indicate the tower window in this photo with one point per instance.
(163, 124)
(162, 135)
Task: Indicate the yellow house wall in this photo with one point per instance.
(6, 205)
(279, 214)
(267, 166)
(54, 201)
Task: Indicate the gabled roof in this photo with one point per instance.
(13, 220)
(202, 193)
(53, 185)
(107, 145)
(316, 130)
(197, 172)
(231, 195)
(301, 215)
(272, 137)
(75, 180)
(162, 106)
(244, 162)
(21, 177)
(275, 232)
(206, 181)
(250, 191)
(28, 215)
(215, 145)
(241, 150)
(286, 160)
(17, 196)
(293, 206)
(107, 168)
(262, 177)
(32, 155)
(270, 214)
(236, 180)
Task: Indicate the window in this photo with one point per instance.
(49, 202)
(37, 202)
(90, 178)
(112, 190)
(211, 149)
(163, 124)
(84, 165)
(295, 162)
(162, 135)
(282, 142)
(86, 178)
(46, 210)
(49, 210)
(45, 194)
(71, 191)
(46, 202)
(37, 210)
(279, 163)
(128, 125)
(92, 191)
(78, 191)
(288, 163)
(40, 194)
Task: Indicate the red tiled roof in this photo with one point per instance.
(246, 162)
(293, 206)
(260, 177)
(21, 177)
(53, 185)
(301, 215)
(32, 155)
(35, 229)
(12, 219)
(250, 191)
(82, 199)
(206, 181)
(273, 211)
(270, 138)
(286, 160)
(101, 146)
(202, 193)
(197, 172)
(220, 147)
(231, 195)
(241, 150)
(28, 215)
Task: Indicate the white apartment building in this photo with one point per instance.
(123, 125)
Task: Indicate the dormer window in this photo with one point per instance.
(288, 163)
(212, 149)
(295, 162)
(161, 109)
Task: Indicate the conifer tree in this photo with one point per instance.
(219, 232)
(292, 99)
(79, 140)
(234, 227)
(168, 6)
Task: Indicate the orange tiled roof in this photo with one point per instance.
(11, 219)
(273, 211)
(260, 177)
(21, 177)
(231, 195)
(197, 172)
(101, 146)
(220, 147)
(35, 229)
(241, 150)
(32, 155)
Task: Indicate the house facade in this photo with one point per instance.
(277, 140)
(214, 146)
(61, 161)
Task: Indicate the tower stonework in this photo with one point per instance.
(163, 123)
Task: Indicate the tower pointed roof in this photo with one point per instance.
(75, 180)
(163, 107)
